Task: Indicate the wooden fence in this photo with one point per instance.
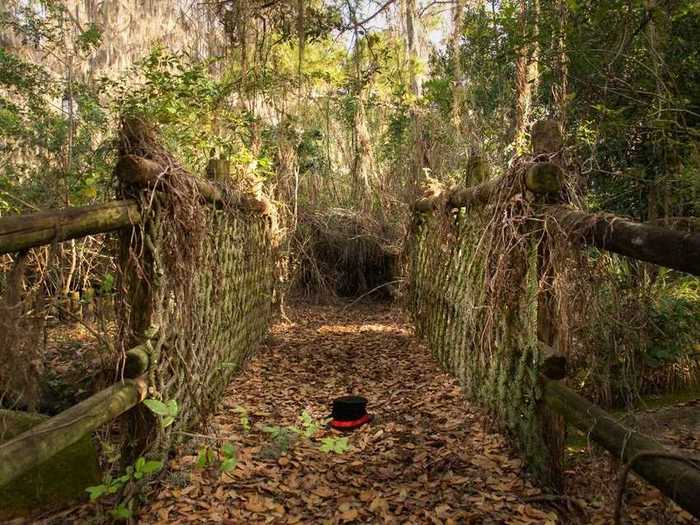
(453, 289)
(227, 278)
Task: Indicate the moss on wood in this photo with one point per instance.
(53, 484)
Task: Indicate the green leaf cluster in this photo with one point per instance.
(167, 411)
(226, 457)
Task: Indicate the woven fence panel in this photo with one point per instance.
(201, 309)
(476, 309)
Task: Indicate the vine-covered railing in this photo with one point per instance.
(493, 286)
(197, 271)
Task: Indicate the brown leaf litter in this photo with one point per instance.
(429, 456)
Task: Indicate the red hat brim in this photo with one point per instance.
(350, 425)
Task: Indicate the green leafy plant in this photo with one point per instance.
(281, 436)
(244, 419)
(284, 437)
(141, 469)
(310, 426)
(208, 457)
(335, 445)
(230, 459)
(167, 411)
(107, 285)
(121, 512)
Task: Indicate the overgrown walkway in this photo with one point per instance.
(426, 458)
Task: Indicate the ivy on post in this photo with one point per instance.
(544, 179)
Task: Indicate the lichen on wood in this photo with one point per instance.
(55, 482)
(477, 278)
(204, 274)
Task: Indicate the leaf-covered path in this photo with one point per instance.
(427, 457)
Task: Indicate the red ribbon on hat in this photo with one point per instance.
(350, 424)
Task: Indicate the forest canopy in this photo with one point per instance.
(343, 111)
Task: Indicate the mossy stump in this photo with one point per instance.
(56, 482)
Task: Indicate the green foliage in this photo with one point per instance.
(645, 335)
(206, 457)
(244, 419)
(121, 512)
(187, 102)
(336, 445)
(90, 38)
(141, 469)
(107, 284)
(53, 130)
(167, 411)
(674, 319)
(282, 437)
(230, 459)
(310, 426)
(226, 458)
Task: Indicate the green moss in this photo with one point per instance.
(53, 484)
(544, 177)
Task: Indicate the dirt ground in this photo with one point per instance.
(427, 457)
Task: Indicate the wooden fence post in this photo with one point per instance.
(546, 144)
(219, 169)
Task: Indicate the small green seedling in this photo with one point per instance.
(310, 426)
(230, 460)
(282, 436)
(121, 512)
(139, 470)
(144, 468)
(336, 445)
(107, 285)
(245, 420)
(167, 411)
(206, 457)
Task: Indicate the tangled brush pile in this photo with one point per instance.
(345, 253)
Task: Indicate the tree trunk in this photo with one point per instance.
(409, 12)
(562, 89)
(522, 86)
(526, 73)
(458, 90)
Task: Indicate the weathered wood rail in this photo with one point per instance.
(19, 233)
(22, 232)
(33, 447)
(651, 243)
(645, 242)
(677, 479)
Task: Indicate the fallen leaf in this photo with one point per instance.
(349, 515)
(378, 505)
(256, 504)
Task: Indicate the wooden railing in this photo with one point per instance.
(18, 233)
(33, 447)
(676, 477)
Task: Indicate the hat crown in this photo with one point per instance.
(349, 408)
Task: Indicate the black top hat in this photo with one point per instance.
(349, 412)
